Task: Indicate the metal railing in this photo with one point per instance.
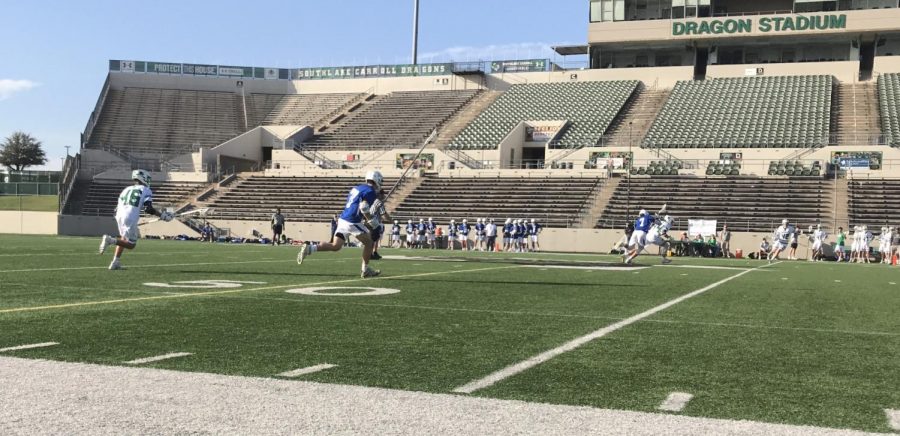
(95, 114)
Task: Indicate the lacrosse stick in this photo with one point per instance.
(196, 213)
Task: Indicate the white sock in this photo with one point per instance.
(313, 248)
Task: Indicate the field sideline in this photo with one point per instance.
(797, 343)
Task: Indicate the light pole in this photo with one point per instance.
(630, 166)
(67, 150)
(415, 45)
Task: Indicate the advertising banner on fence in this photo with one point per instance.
(857, 160)
(542, 131)
(702, 227)
(616, 160)
(163, 67)
(198, 69)
(425, 161)
(358, 72)
(523, 66)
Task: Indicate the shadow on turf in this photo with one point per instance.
(262, 273)
(507, 282)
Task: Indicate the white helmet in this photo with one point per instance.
(642, 212)
(784, 222)
(142, 176)
(375, 176)
(429, 219)
(396, 222)
(818, 226)
(452, 221)
(421, 220)
(465, 220)
(532, 221)
(668, 218)
(408, 221)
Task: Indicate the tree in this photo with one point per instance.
(21, 150)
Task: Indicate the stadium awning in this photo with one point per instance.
(571, 50)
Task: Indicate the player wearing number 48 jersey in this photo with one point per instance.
(359, 218)
(128, 211)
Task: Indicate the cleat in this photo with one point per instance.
(666, 261)
(376, 256)
(115, 266)
(106, 241)
(369, 272)
(304, 252)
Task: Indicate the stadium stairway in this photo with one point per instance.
(463, 118)
(634, 122)
(601, 200)
(857, 114)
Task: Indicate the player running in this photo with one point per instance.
(659, 236)
(128, 212)
(360, 202)
(780, 239)
(638, 238)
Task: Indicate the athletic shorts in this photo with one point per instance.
(410, 238)
(395, 237)
(377, 233)
(534, 238)
(127, 230)
(463, 238)
(638, 238)
(277, 229)
(778, 245)
(346, 228)
(839, 248)
(430, 237)
(793, 245)
(817, 245)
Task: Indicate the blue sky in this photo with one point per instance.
(53, 58)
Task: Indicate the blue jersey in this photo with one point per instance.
(430, 226)
(358, 194)
(507, 230)
(452, 230)
(479, 229)
(421, 228)
(409, 229)
(464, 229)
(396, 229)
(643, 223)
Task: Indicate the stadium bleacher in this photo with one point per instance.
(166, 121)
(774, 112)
(301, 199)
(396, 120)
(873, 202)
(102, 195)
(553, 202)
(658, 168)
(889, 103)
(590, 108)
(753, 204)
(298, 109)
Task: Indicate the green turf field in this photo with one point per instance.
(37, 203)
(795, 342)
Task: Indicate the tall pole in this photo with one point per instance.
(415, 45)
(630, 166)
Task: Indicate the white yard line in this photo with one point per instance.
(675, 402)
(156, 358)
(538, 359)
(241, 290)
(29, 346)
(129, 266)
(44, 397)
(307, 370)
(893, 417)
(727, 268)
(595, 268)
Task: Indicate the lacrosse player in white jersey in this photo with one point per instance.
(855, 244)
(659, 235)
(867, 241)
(818, 243)
(886, 248)
(780, 239)
(128, 211)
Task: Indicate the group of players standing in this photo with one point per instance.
(786, 235)
(517, 235)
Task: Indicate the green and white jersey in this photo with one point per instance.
(131, 201)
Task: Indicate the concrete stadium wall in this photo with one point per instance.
(847, 71)
(78, 225)
(886, 64)
(28, 223)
